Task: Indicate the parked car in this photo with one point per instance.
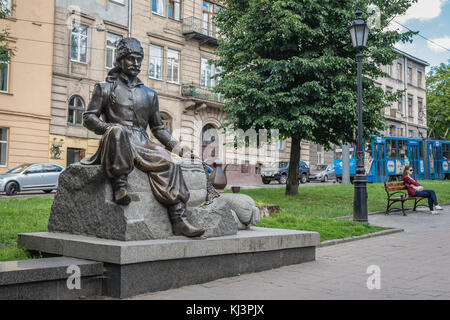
(322, 172)
(279, 171)
(38, 176)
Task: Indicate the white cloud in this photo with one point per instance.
(423, 10)
(444, 42)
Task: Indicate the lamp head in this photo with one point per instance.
(359, 31)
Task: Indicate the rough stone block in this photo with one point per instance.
(84, 205)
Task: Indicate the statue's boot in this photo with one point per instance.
(180, 223)
(120, 191)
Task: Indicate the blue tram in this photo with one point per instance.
(386, 157)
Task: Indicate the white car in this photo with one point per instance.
(39, 176)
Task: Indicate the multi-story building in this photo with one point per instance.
(179, 38)
(86, 33)
(407, 116)
(25, 83)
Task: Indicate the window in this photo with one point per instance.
(388, 70)
(410, 106)
(167, 121)
(392, 131)
(420, 110)
(244, 167)
(37, 168)
(206, 74)
(79, 44)
(3, 145)
(399, 71)
(118, 1)
(173, 66)
(52, 168)
(174, 9)
(208, 12)
(403, 149)
(400, 104)
(4, 76)
(156, 62)
(76, 109)
(111, 43)
(74, 155)
(419, 79)
(409, 75)
(8, 5)
(391, 148)
(158, 7)
(281, 145)
(446, 150)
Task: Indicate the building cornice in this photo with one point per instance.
(161, 37)
(24, 114)
(116, 25)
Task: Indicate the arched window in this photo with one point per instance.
(76, 109)
(167, 121)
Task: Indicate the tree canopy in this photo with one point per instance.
(290, 65)
(438, 101)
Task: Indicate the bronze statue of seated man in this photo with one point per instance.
(127, 108)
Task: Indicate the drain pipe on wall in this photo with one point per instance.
(130, 10)
(405, 81)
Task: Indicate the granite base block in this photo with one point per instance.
(137, 267)
(122, 281)
(46, 279)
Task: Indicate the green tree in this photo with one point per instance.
(438, 101)
(290, 65)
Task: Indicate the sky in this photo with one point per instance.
(432, 19)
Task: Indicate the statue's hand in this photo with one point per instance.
(178, 150)
(183, 152)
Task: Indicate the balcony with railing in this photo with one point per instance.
(194, 28)
(197, 92)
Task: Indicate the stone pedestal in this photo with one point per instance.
(137, 267)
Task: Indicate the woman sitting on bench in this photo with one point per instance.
(416, 190)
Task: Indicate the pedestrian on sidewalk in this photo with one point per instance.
(416, 190)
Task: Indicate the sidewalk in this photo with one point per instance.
(414, 264)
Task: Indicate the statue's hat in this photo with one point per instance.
(127, 46)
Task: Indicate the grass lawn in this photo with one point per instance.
(313, 209)
(18, 216)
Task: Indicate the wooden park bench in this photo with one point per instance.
(397, 192)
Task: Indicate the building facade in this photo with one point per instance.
(407, 116)
(25, 83)
(86, 33)
(180, 39)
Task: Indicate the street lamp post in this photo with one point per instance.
(359, 32)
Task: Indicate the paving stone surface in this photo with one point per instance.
(413, 264)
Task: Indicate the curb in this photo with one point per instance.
(384, 211)
(365, 236)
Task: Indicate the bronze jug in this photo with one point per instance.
(218, 176)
